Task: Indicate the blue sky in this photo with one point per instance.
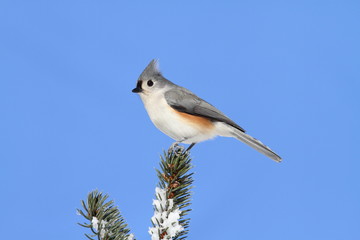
(286, 71)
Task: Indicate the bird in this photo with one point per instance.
(185, 117)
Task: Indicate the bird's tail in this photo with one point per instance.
(256, 144)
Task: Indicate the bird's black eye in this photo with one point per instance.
(150, 83)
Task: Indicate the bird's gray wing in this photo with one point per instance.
(185, 101)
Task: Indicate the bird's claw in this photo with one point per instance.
(176, 149)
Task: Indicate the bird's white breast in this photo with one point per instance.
(170, 122)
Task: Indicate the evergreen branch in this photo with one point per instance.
(173, 197)
(105, 220)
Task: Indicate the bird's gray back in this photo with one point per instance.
(185, 101)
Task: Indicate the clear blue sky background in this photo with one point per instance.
(286, 71)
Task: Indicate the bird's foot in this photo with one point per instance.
(190, 147)
(176, 149)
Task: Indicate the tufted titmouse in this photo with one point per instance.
(185, 117)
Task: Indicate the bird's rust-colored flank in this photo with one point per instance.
(202, 123)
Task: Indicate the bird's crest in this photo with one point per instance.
(151, 69)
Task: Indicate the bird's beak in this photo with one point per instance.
(138, 88)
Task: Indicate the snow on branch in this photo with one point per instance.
(172, 197)
(171, 205)
(105, 220)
